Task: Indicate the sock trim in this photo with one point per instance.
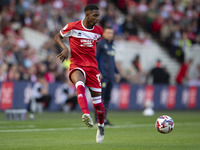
(79, 83)
(102, 125)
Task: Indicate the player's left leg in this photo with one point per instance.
(98, 105)
(103, 92)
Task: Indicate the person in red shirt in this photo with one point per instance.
(182, 73)
(83, 36)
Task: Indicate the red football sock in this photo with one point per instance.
(98, 105)
(82, 101)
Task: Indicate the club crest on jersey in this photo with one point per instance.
(95, 37)
(105, 46)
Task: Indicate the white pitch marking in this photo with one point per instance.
(29, 126)
(78, 128)
(85, 128)
(49, 129)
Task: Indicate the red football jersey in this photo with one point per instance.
(82, 43)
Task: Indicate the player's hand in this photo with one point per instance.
(63, 55)
(117, 78)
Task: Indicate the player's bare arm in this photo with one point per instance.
(65, 51)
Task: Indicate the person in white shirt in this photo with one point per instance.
(40, 91)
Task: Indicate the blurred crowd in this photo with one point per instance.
(175, 23)
(20, 61)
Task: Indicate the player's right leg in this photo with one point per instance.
(77, 77)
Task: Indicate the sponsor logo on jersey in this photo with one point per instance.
(87, 42)
(95, 37)
(105, 46)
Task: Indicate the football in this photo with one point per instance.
(164, 124)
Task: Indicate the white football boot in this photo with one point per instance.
(100, 133)
(87, 120)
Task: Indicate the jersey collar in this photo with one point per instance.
(85, 27)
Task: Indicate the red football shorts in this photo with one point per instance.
(91, 75)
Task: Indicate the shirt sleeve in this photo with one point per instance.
(66, 31)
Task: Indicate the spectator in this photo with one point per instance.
(42, 68)
(138, 76)
(51, 74)
(31, 72)
(137, 64)
(182, 73)
(159, 74)
(142, 7)
(129, 28)
(41, 91)
(157, 25)
(3, 72)
(17, 76)
(151, 14)
(195, 81)
(166, 76)
(13, 69)
(185, 44)
(68, 96)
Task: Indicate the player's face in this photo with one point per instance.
(93, 17)
(108, 34)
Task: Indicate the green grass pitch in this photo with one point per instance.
(132, 131)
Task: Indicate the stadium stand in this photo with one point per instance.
(25, 23)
